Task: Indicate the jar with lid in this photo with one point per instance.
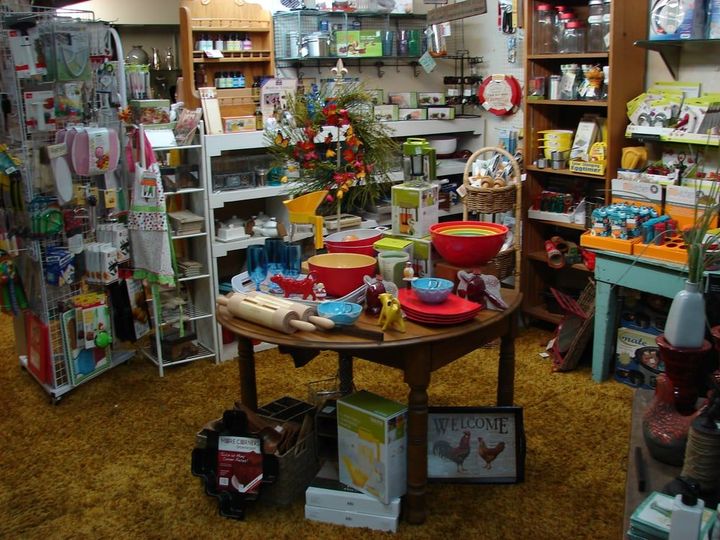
(542, 42)
(573, 38)
(596, 35)
(607, 5)
(563, 18)
(558, 25)
(569, 81)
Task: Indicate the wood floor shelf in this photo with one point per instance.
(628, 24)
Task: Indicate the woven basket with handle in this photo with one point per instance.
(490, 199)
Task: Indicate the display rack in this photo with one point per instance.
(45, 351)
(627, 69)
(223, 19)
(196, 317)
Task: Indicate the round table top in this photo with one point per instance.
(336, 339)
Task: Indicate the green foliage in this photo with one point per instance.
(351, 168)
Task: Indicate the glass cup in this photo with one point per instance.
(275, 253)
(257, 264)
(388, 39)
(414, 43)
(293, 259)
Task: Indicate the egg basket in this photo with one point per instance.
(496, 200)
(491, 198)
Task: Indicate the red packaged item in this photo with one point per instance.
(239, 464)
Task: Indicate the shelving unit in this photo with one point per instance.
(224, 203)
(296, 24)
(226, 17)
(197, 316)
(627, 70)
(671, 50)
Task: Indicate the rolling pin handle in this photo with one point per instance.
(302, 325)
(223, 301)
(322, 322)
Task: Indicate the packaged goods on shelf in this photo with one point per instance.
(403, 99)
(683, 19)
(412, 114)
(384, 113)
(430, 98)
(414, 208)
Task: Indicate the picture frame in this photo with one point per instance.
(483, 445)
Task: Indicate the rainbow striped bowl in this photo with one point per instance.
(468, 243)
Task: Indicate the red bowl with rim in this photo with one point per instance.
(468, 243)
(342, 273)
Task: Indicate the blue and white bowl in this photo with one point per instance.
(341, 313)
(432, 290)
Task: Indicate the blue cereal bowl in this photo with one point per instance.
(341, 313)
(432, 290)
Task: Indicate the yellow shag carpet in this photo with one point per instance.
(112, 458)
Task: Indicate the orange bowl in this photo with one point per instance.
(468, 243)
(342, 273)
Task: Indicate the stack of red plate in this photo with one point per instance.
(454, 310)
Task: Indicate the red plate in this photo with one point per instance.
(439, 321)
(452, 308)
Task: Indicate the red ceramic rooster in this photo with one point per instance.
(664, 428)
(488, 455)
(458, 454)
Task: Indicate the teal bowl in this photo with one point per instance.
(341, 313)
(432, 290)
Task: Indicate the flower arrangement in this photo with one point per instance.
(332, 138)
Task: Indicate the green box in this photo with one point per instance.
(406, 100)
(370, 43)
(348, 42)
(372, 445)
(412, 114)
(441, 113)
(394, 244)
(385, 113)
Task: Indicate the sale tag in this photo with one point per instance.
(427, 62)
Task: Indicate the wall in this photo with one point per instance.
(698, 64)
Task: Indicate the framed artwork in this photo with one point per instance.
(476, 445)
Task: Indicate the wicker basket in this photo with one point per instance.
(504, 263)
(490, 200)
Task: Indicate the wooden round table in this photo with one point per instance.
(417, 353)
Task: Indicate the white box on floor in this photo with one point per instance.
(351, 518)
(326, 491)
(372, 449)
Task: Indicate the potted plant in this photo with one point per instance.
(350, 160)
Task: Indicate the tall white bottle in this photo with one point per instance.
(686, 517)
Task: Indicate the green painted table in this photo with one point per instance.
(617, 269)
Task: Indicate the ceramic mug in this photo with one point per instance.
(391, 264)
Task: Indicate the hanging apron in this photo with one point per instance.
(148, 226)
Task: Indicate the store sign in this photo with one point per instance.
(459, 10)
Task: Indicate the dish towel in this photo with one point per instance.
(148, 226)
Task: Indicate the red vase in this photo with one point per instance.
(684, 368)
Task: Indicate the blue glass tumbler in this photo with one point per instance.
(293, 259)
(257, 264)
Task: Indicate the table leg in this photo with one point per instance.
(345, 373)
(246, 367)
(506, 365)
(605, 317)
(417, 377)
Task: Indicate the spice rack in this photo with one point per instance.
(628, 23)
(225, 21)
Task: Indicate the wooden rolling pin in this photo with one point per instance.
(281, 319)
(304, 311)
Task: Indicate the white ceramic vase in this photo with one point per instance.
(685, 325)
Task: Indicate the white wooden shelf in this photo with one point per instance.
(221, 249)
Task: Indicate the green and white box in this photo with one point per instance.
(403, 99)
(370, 43)
(372, 446)
(414, 208)
(385, 113)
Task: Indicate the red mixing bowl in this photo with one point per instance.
(342, 248)
(342, 273)
(468, 249)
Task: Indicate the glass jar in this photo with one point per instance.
(607, 4)
(569, 81)
(558, 25)
(543, 30)
(596, 35)
(137, 55)
(573, 38)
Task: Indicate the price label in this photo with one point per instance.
(110, 198)
(427, 62)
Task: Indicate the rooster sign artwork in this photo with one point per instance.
(487, 454)
(458, 453)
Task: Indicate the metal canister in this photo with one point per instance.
(554, 87)
(293, 45)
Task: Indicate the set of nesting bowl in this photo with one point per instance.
(555, 140)
(468, 243)
(357, 241)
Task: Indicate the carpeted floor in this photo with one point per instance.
(112, 459)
